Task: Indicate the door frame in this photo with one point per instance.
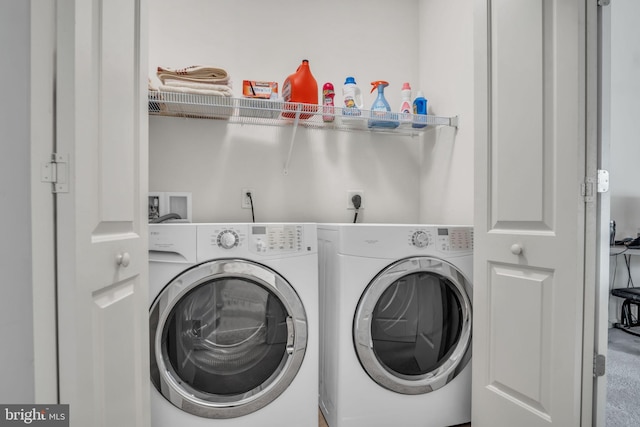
(591, 238)
(600, 100)
(43, 235)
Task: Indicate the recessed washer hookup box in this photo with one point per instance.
(258, 89)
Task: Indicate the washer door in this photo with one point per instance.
(227, 338)
(412, 327)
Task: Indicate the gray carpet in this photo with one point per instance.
(623, 379)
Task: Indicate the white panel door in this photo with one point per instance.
(530, 214)
(101, 119)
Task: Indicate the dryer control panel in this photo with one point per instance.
(454, 239)
(274, 239)
(443, 239)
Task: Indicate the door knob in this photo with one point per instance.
(516, 249)
(123, 259)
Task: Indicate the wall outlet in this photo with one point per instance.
(350, 194)
(246, 202)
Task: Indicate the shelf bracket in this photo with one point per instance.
(293, 138)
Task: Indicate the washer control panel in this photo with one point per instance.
(274, 239)
(260, 239)
(454, 239)
(443, 239)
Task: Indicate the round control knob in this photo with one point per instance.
(420, 239)
(227, 239)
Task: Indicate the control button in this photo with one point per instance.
(261, 246)
(420, 239)
(228, 239)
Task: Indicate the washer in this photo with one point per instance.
(395, 309)
(233, 325)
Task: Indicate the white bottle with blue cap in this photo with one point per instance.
(352, 97)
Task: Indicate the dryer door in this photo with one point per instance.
(412, 327)
(227, 338)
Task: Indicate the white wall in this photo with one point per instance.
(625, 111)
(446, 76)
(625, 137)
(16, 310)
(404, 179)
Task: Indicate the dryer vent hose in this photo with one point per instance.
(164, 218)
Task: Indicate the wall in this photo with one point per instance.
(16, 310)
(625, 142)
(446, 75)
(404, 179)
(625, 110)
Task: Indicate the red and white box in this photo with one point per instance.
(258, 89)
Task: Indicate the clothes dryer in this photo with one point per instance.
(395, 330)
(233, 325)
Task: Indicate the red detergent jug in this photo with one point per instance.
(300, 87)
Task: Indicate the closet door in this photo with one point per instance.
(530, 213)
(101, 141)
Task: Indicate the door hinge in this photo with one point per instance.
(56, 172)
(587, 189)
(603, 181)
(591, 186)
(599, 363)
(604, 2)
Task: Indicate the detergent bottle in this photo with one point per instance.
(419, 111)
(328, 110)
(381, 116)
(405, 104)
(352, 97)
(300, 87)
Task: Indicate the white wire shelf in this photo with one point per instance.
(277, 113)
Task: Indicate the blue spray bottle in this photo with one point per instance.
(381, 116)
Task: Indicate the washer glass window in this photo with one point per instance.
(416, 324)
(412, 326)
(227, 337)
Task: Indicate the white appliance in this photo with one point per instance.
(233, 325)
(395, 310)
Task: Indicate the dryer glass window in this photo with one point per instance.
(226, 337)
(416, 324)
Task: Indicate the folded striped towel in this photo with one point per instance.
(194, 73)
